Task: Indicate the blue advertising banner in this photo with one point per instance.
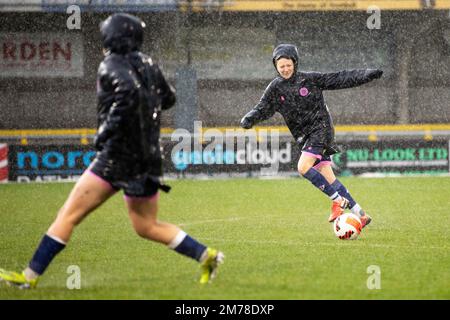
(48, 163)
(272, 157)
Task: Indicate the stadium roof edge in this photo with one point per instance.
(221, 5)
(315, 5)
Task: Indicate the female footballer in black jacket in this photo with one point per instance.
(131, 92)
(298, 97)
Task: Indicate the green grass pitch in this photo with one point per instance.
(274, 233)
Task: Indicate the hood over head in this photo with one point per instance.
(288, 51)
(122, 33)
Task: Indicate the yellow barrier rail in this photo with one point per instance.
(339, 129)
(361, 128)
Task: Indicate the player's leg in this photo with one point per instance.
(306, 163)
(88, 193)
(324, 167)
(313, 150)
(143, 214)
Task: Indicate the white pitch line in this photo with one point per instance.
(231, 219)
(210, 221)
(339, 243)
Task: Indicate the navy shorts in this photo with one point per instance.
(139, 185)
(319, 144)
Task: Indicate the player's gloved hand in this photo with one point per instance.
(246, 123)
(374, 73)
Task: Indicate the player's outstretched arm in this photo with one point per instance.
(259, 113)
(263, 110)
(346, 78)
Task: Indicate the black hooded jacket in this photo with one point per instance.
(299, 99)
(131, 92)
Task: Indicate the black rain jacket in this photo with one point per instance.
(299, 99)
(131, 92)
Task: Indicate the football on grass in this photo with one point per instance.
(347, 226)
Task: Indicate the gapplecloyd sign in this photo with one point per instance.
(229, 150)
(41, 55)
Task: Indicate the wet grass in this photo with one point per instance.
(274, 233)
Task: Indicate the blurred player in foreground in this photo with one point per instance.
(131, 92)
(298, 97)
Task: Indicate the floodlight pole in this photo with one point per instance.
(186, 78)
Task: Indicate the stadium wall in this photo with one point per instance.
(231, 54)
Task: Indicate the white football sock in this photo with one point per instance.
(358, 210)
